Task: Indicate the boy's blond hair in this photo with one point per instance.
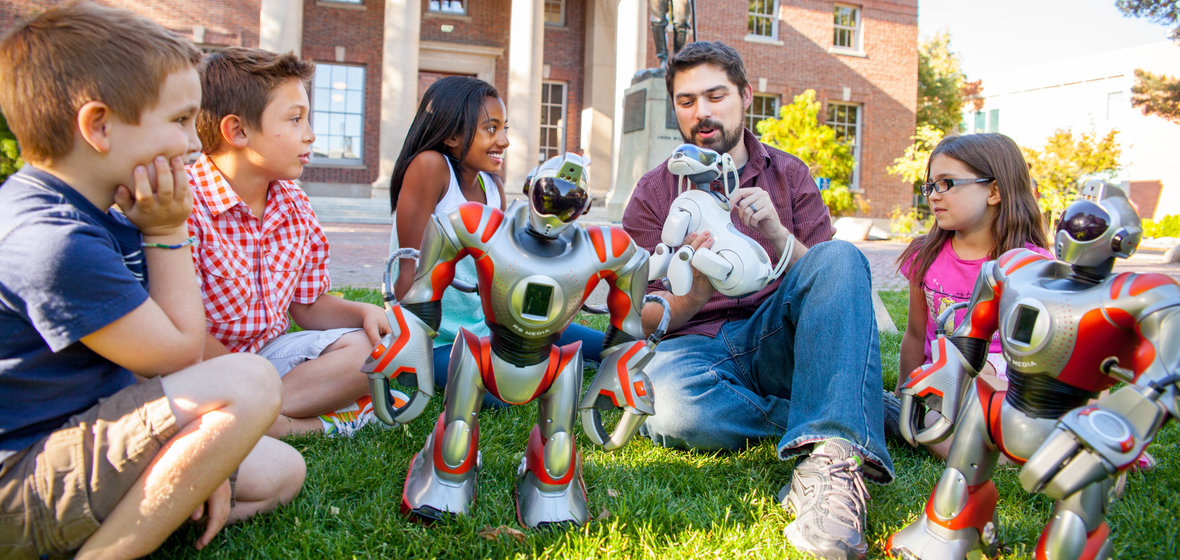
(239, 81)
(56, 62)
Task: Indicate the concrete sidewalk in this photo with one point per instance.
(358, 235)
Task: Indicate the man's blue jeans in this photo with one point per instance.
(805, 367)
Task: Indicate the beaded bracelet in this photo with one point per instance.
(190, 242)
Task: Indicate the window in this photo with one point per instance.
(552, 120)
(845, 119)
(763, 107)
(338, 113)
(846, 33)
(555, 12)
(763, 18)
(448, 7)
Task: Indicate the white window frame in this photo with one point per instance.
(855, 30)
(334, 96)
(771, 15)
(547, 102)
(843, 127)
(560, 11)
(752, 117)
(447, 7)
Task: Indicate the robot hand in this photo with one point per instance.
(1094, 442)
(405, 354)
(621, 383)
(935, 387)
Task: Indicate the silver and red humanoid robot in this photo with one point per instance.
(535, 269)
(1069, 328)
(735, 265)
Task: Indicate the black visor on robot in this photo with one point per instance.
(1084, 221)
(558, 197)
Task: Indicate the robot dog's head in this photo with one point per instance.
(1098, 226)
(557, 194)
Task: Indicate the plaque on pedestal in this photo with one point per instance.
(649, 136)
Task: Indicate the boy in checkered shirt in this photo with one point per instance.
(262, 252)
(92, 462)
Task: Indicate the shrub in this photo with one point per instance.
(1168, 226)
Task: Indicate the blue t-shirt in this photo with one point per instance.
(67, 269)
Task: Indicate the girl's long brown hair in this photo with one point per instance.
(1018, 221)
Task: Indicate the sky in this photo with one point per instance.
(994, 35)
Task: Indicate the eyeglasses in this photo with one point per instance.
(943, 185)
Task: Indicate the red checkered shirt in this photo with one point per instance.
(250, 269)
(795, 196)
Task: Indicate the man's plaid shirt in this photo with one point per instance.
(250, 269)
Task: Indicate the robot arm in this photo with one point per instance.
(621, 381)
(406, 354)
(1101, 440)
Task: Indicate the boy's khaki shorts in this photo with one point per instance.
(54, 494)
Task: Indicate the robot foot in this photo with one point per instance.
(545, 501)
(971, 532)
(925, 540)
(431, 495)
(540, 505)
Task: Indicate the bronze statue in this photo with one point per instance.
(683, 12)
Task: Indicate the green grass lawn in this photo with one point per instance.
(647, 501)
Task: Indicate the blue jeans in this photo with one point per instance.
(805, 367)
(591, 352)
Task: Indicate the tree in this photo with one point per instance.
(10, 160)
(940, 85)
(1061, 166)
(799, 131)
(1155, 94)
(911, 166)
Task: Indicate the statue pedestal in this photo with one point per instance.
(650, 134)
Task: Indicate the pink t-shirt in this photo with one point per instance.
(950, 280)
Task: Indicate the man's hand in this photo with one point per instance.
(218, 508)
(160, 201)
(757, 211)
(375, 323)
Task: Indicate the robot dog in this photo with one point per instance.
(535, 270)
(1069, 329)
(736, 265)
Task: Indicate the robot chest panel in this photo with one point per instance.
(1041, 329)
(538, 295)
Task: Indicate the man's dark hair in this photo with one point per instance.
(708, 52)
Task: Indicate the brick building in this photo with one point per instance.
(562, 75)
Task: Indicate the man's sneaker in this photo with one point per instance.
(892, 408)
(346, 421)
(827, 494)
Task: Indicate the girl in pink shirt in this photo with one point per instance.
(983, 203)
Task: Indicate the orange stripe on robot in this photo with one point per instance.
(1101, 336)
(469, 462)
(596, 240)
(1116, 285)
(1143, 357)
(493, 224)
(619, 241)
(536, 463)
(471, 213)
(980, 507)
(624, 377)
(1144, 282)
(402, 338)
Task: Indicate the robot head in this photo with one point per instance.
(1097, 227)
(557, 194)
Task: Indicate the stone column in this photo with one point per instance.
(280, 26)
(526, 49)
(598, 96)
(399, 85)
(630, 54)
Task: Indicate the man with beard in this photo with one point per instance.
(799, 360)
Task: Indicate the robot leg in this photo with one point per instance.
(960, 516)
(549, 486)
(1078, 530)
(441, 479)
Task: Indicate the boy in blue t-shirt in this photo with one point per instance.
(103, 103)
